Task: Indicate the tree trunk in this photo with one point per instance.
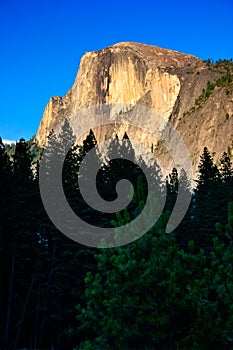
(9, 307)
(23, 313)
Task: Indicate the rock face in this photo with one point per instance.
(165, 81)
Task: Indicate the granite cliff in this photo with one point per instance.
(188, 92)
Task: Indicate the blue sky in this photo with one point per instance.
(42, 42)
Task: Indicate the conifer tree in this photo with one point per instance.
(119, 164)
(5, 240)
(208, 172)
(67, 261)
(22, 240)
(226, 170)
(88, 144)
(183, 232)
(210, 201)
(172, 189)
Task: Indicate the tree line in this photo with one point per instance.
(163, 291)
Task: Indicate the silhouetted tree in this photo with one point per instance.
(210, 201)
(5, 242)
(208, 172)
(172, 189)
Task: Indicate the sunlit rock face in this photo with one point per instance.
(166, 82)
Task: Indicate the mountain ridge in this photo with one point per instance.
(166, 81)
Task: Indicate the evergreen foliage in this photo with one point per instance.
(153, 295)
(163, 291)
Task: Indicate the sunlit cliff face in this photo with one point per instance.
(166, 82)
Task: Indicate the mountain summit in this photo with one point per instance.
(194, 95)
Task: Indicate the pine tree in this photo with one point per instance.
(183, 232)
(119, 164)
(172, 189)
(22, 240)
(22, 162)
(208, 171)
(184, 181)
(88, 160)
(173, 181)
(67, 261)
(5, 240)
(226, 170)
(88, 144)
(127, 148)
(210, 202)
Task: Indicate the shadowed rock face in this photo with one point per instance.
(165, 81)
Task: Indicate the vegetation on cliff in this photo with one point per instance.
(225, 69)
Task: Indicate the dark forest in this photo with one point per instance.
(162, 291)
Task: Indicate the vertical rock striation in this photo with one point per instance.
(165, 81)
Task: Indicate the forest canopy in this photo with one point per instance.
(162, 291)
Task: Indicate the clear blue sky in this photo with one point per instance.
(42, 41)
